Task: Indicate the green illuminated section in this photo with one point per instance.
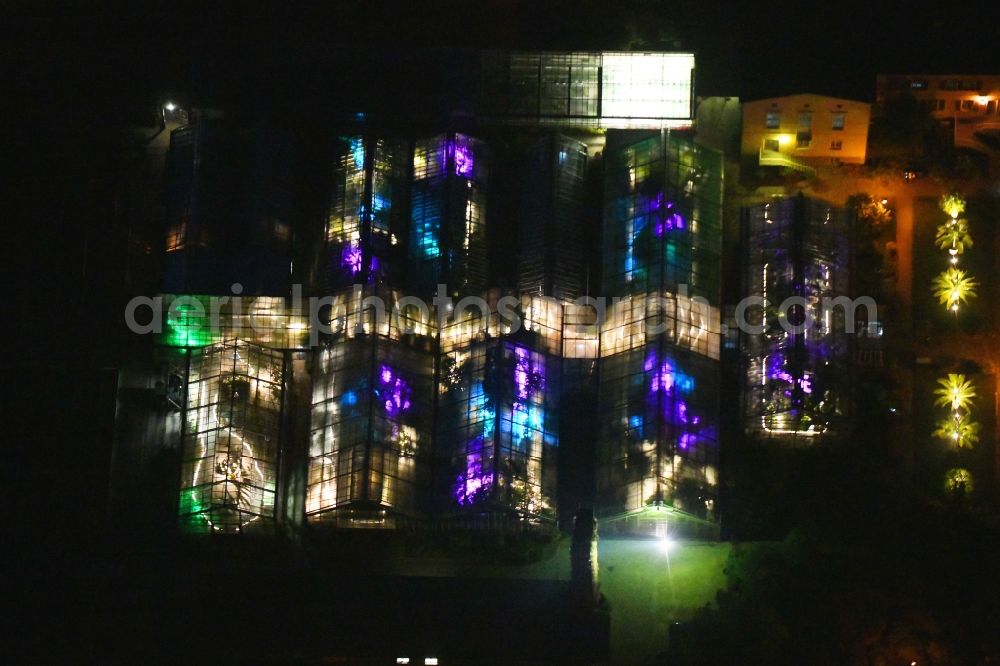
(194, 512)
(187, 323)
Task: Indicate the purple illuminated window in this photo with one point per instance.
(777, 373)
(521, 368)
(474, 483)
(667, 217)
(461, 151)
(350, 258)
(394, 392)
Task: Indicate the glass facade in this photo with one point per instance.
(232, 416)
(797, 248)
(624, 90)
(658, 388)
(230, 205)
(371, 418)
(551, 248)
(448, 214)
(663, 217)
(499, 418)
(382, 411)
(361, 231)
(659, 431)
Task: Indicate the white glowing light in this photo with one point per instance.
(667, 544)
(170, 106)
(646, 89)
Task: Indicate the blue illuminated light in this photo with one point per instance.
(358, 152)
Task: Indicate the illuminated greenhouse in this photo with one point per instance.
(362, 228)
(375, 410)
(228, 382)
(448, 214)
(371, 417)
(551, 249)
(499, 426)
(659, 349)
(796, 249)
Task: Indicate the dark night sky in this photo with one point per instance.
(130, 52)
(78, 71)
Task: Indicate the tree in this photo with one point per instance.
(952, 287)
(905, 129)
(956, 392)
(872, 211)
(953, 235)
(958, 481)
(960, 430)
(953, 204)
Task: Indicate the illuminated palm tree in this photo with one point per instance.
(961, 431)
(953, 287)
(953, 204)
(956, 392)
(958, 481)
(953, 235)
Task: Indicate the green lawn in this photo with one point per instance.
(648, 590)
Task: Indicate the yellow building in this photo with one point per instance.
(968, 104)
(804, 131)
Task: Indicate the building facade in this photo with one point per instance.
(804, 131)
(229, 205)
(969, 105)
(795, 348)
(358, 402)
(658, 371)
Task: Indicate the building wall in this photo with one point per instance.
(231, 438)
(794, 383)
(970, 104)
(627, 90)
(662, 218)
(658, 372)
(230, 206)
(658, 415)
(363, 230)
(810, 128)
(448, 214)
(498, 424)
(551, 248)
(719, 124)
(372, 416)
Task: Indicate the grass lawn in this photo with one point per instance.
(648, 590)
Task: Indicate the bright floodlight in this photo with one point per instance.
(644, 89)
(667, 544)
(169, 106)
